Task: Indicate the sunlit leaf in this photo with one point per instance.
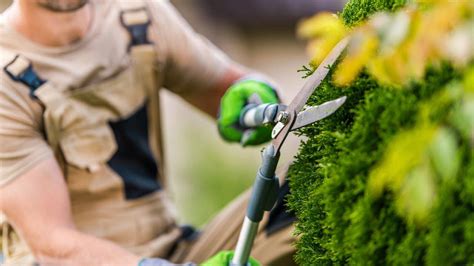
(404, 153)
(444, 154)
(459, 44)
(360, 50)
(320, 48)
(417, 194)
(322, 24)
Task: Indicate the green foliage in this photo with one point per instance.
(341, 220)
(356, 11)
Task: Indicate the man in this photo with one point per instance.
(81, 179)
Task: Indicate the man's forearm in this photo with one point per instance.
(37, 205)
(67, 246)
(210, 99)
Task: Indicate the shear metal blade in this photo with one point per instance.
(317, 77)
(281, 130)
(316, 113)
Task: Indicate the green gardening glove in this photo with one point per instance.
(224, 258)
(232, 104)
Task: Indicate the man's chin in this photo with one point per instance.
(62, 6)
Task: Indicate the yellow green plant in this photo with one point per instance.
(396, 48)
(389, 178)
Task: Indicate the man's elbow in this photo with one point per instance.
(55, 246)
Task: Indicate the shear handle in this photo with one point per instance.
(255, 115)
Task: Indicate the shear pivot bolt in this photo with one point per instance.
(283, 117)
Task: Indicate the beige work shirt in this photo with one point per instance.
(191, 63)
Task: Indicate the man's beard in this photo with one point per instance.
(62, 5)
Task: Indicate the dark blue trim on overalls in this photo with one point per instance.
(134, 161)
(28, 77)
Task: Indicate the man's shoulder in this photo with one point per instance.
(10, 48)
(6, 53)
(2, 20)
(158, 5)
(12, 91)
(7, 57)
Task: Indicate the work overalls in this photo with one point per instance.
(83, 126)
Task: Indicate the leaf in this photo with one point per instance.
(417, 195)
(322, 24)
(445, 155)
(406, 152)
(360, 51)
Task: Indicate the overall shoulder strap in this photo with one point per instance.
(21, 70)
(135, 18)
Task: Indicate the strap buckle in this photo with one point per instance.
(21, 70)
(136, 21)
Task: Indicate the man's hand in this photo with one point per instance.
(224, 258)
(232, 104)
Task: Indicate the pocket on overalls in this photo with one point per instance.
(117, 98)
(89, 148)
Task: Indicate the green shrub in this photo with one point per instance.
(340, 221)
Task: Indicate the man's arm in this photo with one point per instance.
(203, 75)
(37, 205)
(208, 100)
(194, 68)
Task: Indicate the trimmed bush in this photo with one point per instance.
(353, 207)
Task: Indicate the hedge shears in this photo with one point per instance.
(286, 119)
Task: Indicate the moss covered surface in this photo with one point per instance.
(338, 222)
